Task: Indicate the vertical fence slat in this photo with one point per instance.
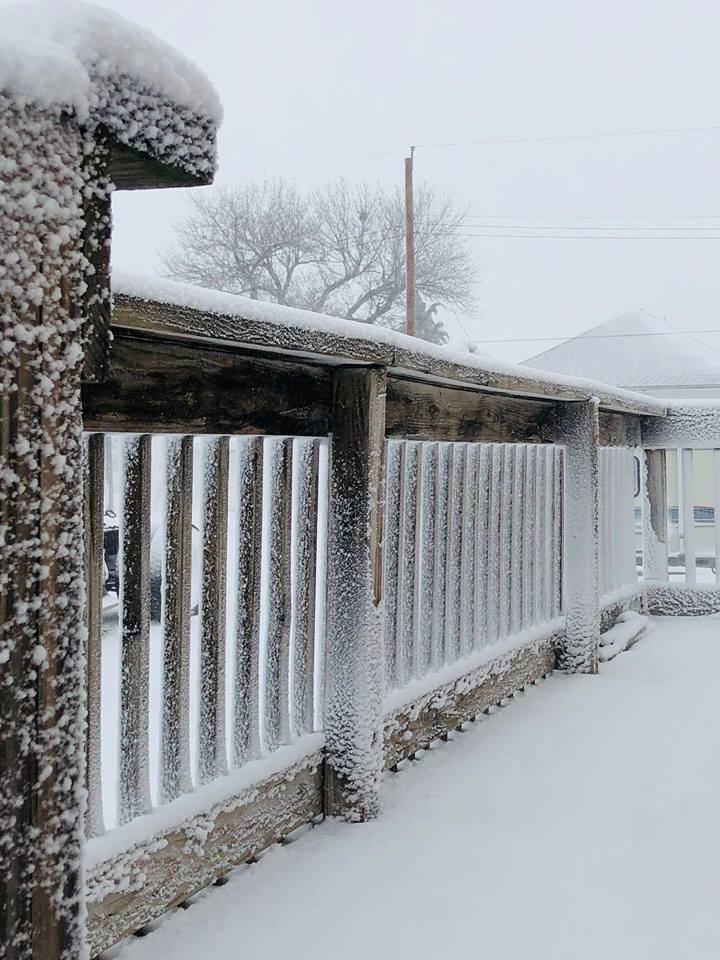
(688, 512)
(391, 565)
(516, 541)
(276, 725)
(175, 777)
(469, 544)
(716, 510)
(493, 537)
(528, 554)
(134, 779)
(441, 527)
(456, 470)
(94, 503)
(507, 451)
(482, 557)
(303, 588)
(539, 535)
(212, 760)
(417, 664)
(429, 475)
(246, 682)
(405, 613)
(557, 531)
(654, 516)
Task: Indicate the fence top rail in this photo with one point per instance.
(164, 307)
(688, 423)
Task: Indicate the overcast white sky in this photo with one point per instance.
(309, 85)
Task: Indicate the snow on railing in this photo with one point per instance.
(617, 489)
(472, 549)
(203, 602)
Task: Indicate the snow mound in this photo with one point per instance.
(74, 38)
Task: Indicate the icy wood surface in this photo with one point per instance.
(579, 431)
(353, 637)
(682, 600)
(555, 799)
(226, 317)
(41, 548)
(689, 424)
(111, 72)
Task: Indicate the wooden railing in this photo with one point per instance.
(332, 550)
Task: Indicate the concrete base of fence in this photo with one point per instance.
(139, 884)
(434, 715)
(682, 600)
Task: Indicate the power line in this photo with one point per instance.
(566, 137)
(543, 236)
(583, 226)
(601, 336)
(517, 216)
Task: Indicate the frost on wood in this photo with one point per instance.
(353, 642)
(578, 653)
(687, 425)
(616, 518)
(147, 95)
(681, 600)
(41, 551)
(479, 558)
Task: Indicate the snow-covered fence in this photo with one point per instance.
(201, 558)
(618, 477)
(472, 549)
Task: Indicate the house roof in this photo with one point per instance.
(634, 351)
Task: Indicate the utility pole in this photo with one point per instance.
(409, 245)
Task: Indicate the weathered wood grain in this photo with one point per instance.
(276, 719)
(303, 588)
(423, 410)
(212, 761)
(246, 726)
(175, 729)
(180, 387)
(619, 429)
(403, 359)
(93, 499)
(353, 639)
(433, 716)
(175, 864)
(134, 781)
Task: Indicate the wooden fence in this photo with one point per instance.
(301, 572)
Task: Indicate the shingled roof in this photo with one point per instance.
(637, 352)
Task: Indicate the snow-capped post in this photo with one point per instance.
(353, 643)
(578, 431)
(85, 98)
(654, 512)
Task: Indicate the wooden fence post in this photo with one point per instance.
(654, 516)
(578, 431)
(354, 644)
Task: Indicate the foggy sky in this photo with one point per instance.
(307, 86)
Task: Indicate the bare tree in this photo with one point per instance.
(339, 250)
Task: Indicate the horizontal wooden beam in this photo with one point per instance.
(160, 386)
(235, 321)
(619, 429)
(421, 410)
(132, 169)
(140, 884)
(433, 716)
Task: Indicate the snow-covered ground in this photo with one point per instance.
(578, 822)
